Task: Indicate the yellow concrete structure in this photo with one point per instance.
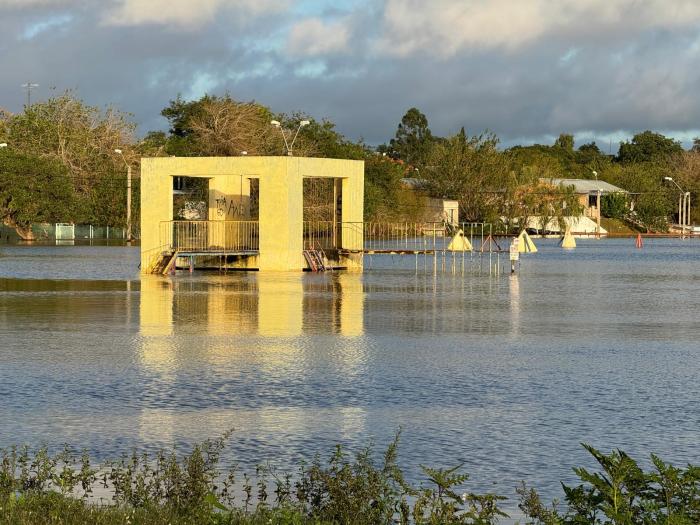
(279, 228)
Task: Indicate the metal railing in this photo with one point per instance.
(210, 236)
(324, 235)
(389, 236)
(244, 236)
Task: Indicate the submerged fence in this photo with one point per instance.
(69, 232)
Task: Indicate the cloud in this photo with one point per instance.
(313, 37)
(34, 3)
(446, 27)
(187, 14)
(36, 28)
(525, 69)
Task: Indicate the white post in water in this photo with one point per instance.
(514, 253)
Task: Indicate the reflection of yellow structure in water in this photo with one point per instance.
(232, 306)
(352, 300)
(280, 304)
(257, 324)
(156, 322)
(269, 305)
(156, 306)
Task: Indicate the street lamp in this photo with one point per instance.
(3, 145)
(128, 194)
(29, 86)
(683, 206)
(597, 205)
(278, 125)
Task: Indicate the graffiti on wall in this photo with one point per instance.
(230, 208)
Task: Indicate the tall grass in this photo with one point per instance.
(37, 487)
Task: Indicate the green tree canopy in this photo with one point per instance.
(83, 139)
(565, 142)
(32, 189)
(413, 139)
(648, 146)
(470, 170)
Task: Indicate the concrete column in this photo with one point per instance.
(156, 207)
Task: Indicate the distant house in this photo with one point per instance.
(588, 191)
(436, 210)
(589, 194)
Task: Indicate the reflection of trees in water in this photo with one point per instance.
(322, 301)
(438, 306)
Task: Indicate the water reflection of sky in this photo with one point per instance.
(507, 374)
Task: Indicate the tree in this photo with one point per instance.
(470, 170)
(686, 171)
(32, 189)
(413, 139)
(614, 205)
(4, 123)
(565, 142)
(651, 200)
(383, 188)
(648, 146)
(696, 145)
(223, 127)
(83, 138)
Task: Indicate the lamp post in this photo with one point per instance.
(683, 206)
(597, 205)
(128, 194)
(288, 145)
(3, 144)
(29, 86)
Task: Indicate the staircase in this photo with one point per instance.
(164, 263)
(314, 258)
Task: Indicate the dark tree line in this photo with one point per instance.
(83, 178)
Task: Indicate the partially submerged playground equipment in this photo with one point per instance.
(288, 214)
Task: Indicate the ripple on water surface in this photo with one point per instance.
(506, 374)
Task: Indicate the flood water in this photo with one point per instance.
(507, 375)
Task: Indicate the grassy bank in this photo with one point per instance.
(42, 488)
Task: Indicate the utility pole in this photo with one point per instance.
(128, 195)
(598, 214)
(683, 206)
(29, 86)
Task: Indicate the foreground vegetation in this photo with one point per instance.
(43, 488)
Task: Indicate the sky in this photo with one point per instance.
(527, 70)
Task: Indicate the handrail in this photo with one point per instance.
(244, 236)
(210, 236)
